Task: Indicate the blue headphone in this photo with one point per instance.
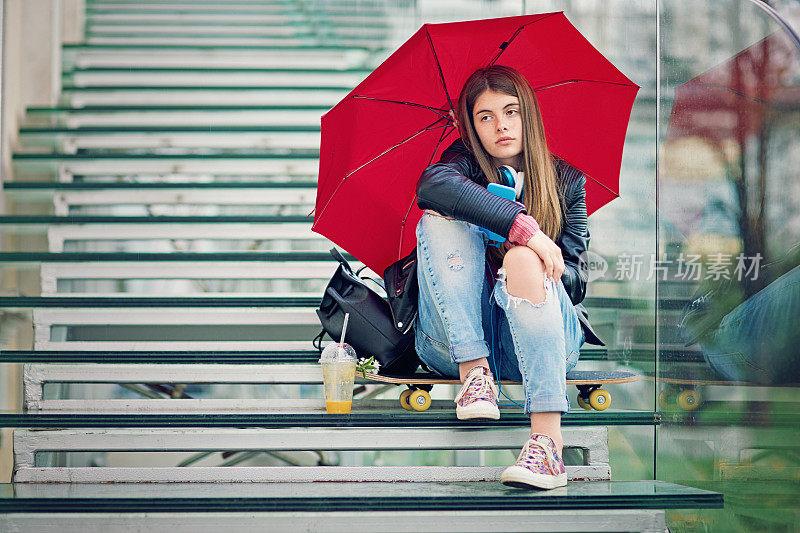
(508, 177)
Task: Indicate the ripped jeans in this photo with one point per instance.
(756, 341)
(536, 344)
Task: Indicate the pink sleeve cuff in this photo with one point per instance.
(524, 227)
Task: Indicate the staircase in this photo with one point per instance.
(162, 210)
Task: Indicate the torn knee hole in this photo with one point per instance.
(503, 282)
(526, 299)
(544, 298)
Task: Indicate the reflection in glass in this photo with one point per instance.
(730, 115)
(729, 242)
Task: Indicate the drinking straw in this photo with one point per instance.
(344, 329)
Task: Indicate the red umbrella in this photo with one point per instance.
(729, 102)
(379, 138)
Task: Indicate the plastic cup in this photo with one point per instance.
(338, 376)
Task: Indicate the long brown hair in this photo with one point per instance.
(541, 194)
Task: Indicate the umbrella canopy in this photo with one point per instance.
(379, 138)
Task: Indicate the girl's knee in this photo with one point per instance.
(523, 260)
(524, 273)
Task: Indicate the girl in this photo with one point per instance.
(526, 327)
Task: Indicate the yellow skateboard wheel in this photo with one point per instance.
(689, 400)
(419, 400)
(665, 398)
(404, 399)
(600, 399)
(583, 403)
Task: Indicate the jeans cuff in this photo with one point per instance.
(546, 404)
(469, 351)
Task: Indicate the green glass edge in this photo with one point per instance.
(389, 419)
(195, 356)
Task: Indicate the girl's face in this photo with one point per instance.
(498, 124)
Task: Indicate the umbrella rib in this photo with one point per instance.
(384, 153)
(600, 183)
(407, 139)
(439, 67)
(444, 134)
(442, 137)
(404, 141)
(505, 44)
(576, 80)
(730, 90)
(440, 112)
(603, 185)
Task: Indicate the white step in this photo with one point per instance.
(189, 6)
(217, 78)
(238, 41)
(219, 165)
(166, 117)
(591, 438)
(221, 31)
(64, 176)
(185, 275)
(232, 17)
(261, 197)
(161, 235)
(37, 375)
(170, 328)
(646, 520)
(148, 406)
(278, 474)
(72, 142)
(216, 18)
(184, 28)
(222, 58)
(592, 442)
(138, 346)
(202, 96)
(44, 318)
(238, 6)
(198, 41)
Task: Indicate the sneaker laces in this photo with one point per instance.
(528, 455)
(477, 385)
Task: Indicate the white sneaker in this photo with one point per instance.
(538, 466)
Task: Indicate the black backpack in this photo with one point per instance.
(371, 329)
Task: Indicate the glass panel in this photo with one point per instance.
(729, 292)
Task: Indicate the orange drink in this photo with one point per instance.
(338, 377)
(335, 407)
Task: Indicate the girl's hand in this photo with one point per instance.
(549, 253)
(453, 118)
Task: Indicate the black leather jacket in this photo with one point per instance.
(456, 187)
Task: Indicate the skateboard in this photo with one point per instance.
(591, 395)
(685, 391)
